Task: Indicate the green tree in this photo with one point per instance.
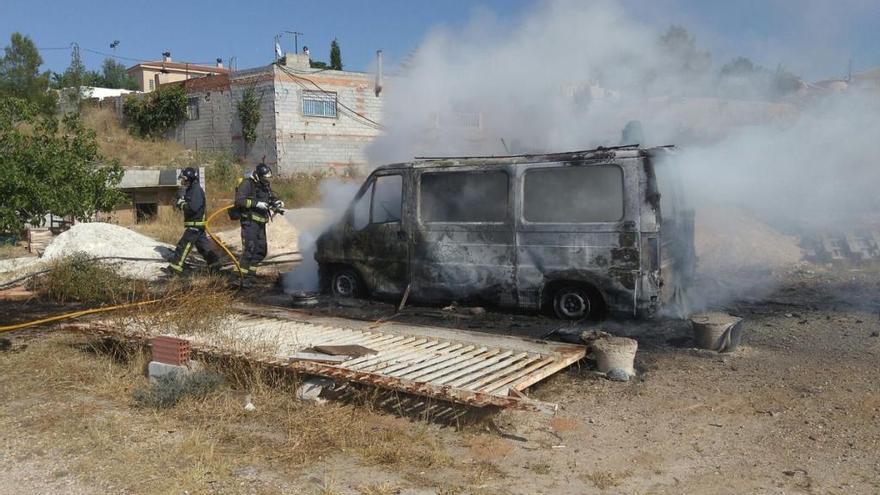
(154, 114)
(114, 75)
(249, 115)
(20, 74)
(47, 167)
(317, 64)
(76, 74)
(335, 55)
(740, 67)
(682, 49)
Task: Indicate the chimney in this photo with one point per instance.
(219, 63)
(166, 56)
(378, 86)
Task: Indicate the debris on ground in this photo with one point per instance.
(310, 389)
(731, 240)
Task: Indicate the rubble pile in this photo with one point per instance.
(731, 240)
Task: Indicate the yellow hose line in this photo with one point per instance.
(76, 314)
(84, 312)
(219, 242)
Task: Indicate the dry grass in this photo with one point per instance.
(16, 250)
(78, 278)
(68, 398)
(166, 227)
(116, 143)
(605, 479)
(378, 489)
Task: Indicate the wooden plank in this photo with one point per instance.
(447, 353)
(478, 365)
(470, 377)
(506, 371)
(318, 357)
(385, 347)
(540, 374)
(445, 366)
(420, 353)
(384, 351)
(498, 385)
(417, 346)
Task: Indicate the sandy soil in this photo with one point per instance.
(795, 410)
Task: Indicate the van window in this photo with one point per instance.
(464, 197)
(387, 196)
(361, 209)
(573, 194)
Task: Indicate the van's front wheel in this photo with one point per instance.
(573, 303)
(345, 283)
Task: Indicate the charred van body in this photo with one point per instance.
(582, 234)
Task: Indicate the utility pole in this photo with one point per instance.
(296, 36)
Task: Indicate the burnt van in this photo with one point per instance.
(580, 234)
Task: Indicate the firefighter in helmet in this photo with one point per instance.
(192, 202)
(256, 203)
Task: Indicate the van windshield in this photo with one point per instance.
(573, 194)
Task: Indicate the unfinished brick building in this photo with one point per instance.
(310, 119)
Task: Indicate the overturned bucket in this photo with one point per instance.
(615, 356)
(717, 331)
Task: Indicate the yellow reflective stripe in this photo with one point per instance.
(194, 224)
(176, 268)
(257, 218)
(183, 256)
(248, 203)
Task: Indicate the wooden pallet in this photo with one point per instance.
(472, 368)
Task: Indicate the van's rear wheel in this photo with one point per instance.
(346, 283)
(573, 303)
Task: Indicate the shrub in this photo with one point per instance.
(154, 114)
(170, 389)
(80, 278)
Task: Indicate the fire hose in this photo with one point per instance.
(75, 314)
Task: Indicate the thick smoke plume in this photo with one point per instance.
(757, 143)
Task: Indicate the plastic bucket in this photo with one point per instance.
(717, 331)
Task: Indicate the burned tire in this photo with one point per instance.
(574, 303)
(345, 282)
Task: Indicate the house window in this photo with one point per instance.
(152, 84)
(192, 108)
(319, 103)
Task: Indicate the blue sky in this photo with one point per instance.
(811, 37)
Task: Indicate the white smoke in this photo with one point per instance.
(569, 75)
(310, 224)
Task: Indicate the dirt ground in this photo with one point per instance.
(796, 409)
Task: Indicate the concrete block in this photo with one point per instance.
(155, 370)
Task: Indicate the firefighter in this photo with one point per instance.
(255, 204)
(192, 203)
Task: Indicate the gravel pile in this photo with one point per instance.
(97, 240)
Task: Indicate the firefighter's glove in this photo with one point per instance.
(277, 204)
(261, 205)
(180, 203)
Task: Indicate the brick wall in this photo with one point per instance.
(212, 130)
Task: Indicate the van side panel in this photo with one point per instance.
(605, 255)
(463, 247)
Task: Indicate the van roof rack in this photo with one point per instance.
(525, 155)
